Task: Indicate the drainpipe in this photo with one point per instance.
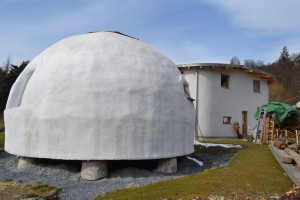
(196, 108)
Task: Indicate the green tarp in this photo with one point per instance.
(281, 111)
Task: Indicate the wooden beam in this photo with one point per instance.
(294, 155)
(257, 73)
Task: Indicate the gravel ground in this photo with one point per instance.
(66, 174)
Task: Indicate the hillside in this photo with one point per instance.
(286, 88)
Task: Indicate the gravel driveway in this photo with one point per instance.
(122, 174)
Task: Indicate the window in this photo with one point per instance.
(225, 80)
(256, 86)
(226, 120)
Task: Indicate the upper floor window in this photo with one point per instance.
(256, 86)
(224, 80)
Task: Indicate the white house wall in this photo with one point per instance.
(214, 101)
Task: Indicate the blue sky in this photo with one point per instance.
(185, 31)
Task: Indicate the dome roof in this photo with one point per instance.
(99, 96)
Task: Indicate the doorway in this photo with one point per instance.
(244, 123)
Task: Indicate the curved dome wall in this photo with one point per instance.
(99, 96)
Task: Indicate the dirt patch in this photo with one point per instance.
(10, 190)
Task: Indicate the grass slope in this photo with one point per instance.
(253, 172)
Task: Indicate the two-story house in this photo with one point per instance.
(226, 94)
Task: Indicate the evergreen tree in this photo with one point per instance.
(284, 55)
(7, 78)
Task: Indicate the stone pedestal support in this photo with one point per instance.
(25, 162)
(167, 166)
(94, 170)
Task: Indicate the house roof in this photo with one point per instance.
(250, 70)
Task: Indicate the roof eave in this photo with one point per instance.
(257, 72)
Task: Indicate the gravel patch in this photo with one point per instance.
(122, 174)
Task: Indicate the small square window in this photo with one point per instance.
(225, 80)
(226, 120)
(256, 86)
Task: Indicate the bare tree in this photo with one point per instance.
(277, 92)
(235, 61)
(249, 63)
(259, 63)
(252, 63)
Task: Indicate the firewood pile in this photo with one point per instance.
(292, 123)
(289, 150)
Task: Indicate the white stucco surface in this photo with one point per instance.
(214, 101)
(99, 96)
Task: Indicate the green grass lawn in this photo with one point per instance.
(252, 172)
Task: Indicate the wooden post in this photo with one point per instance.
(276, 133)
(285, 132)
(265, 131)
(297, 137)
(272, 128)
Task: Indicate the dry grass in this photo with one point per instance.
(2, 140)
(10, 190)
(253, 172)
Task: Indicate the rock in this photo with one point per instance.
(167, 166)
(25, 162)
(53, 194)
(93, 170)
(132, 185)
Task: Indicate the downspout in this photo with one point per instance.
(196, 108)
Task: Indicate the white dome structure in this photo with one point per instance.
(99, 96)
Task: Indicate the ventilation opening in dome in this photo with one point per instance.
(117, 32)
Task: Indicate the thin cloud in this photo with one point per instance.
(267, 15)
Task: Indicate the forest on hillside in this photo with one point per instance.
(286, 70)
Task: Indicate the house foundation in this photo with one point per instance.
(167, 166)
(25, 162)
(94, 170)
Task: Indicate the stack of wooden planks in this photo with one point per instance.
(289, 152)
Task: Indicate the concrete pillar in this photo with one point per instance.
(93, 170)
(167, 166)
(25, 162)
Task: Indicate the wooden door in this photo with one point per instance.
(244, 123)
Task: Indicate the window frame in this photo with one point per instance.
(228, 120)
(225, 83)
(256, 86)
